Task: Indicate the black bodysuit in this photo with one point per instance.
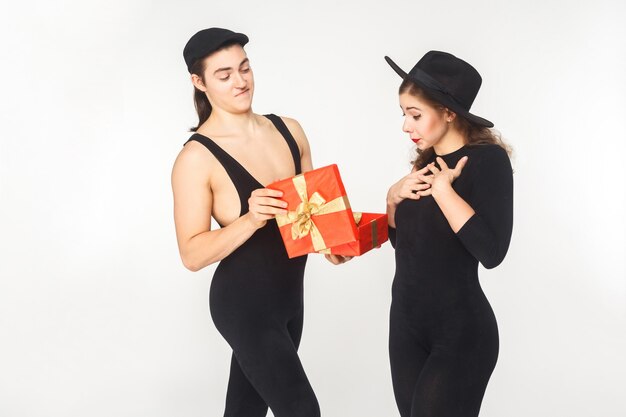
(443, 339)
(256, 302)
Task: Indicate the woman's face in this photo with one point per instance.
(229, 82)
(425, 124)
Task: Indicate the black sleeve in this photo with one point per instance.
(392, 236)
(487, 234)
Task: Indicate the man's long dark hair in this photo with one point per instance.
(200, 100)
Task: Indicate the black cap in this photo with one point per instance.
(449, 80)
(208, 41)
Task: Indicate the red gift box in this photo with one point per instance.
(319, 214)
(371, 232)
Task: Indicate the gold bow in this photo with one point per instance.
(301, 219)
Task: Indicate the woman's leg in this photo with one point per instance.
(455, 376)
(407, 358)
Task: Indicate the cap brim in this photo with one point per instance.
(240, 38)
(237, 38)
(395, 67)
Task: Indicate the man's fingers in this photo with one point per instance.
(267, 192)
(269, 201)
(330, 258)
(336, 259)
(267, 210)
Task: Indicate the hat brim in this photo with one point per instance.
(395, 67)
(438, 96)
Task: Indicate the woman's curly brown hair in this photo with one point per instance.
(475, 134)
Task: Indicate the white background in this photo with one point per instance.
(98, 317)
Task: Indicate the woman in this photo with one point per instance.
(256, 296)
(453, 210)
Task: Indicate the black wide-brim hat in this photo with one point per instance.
(208, 41)
(448, 80)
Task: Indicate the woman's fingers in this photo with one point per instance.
(420, 186)
(424, 193)
(424, 170)
(410, 185)
(415, 174)
(459, 166)
(428, 179)
(442, 163)
(412, 188)
(411, 182)
(432, 168)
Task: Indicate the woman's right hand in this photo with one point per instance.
(264, 204)
(409, 187)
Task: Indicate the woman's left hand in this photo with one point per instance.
(337, 259)
(441, 179)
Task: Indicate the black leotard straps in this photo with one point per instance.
(244, 182)
(293, 145)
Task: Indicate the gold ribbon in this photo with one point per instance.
(301, 219)
(374, 234)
